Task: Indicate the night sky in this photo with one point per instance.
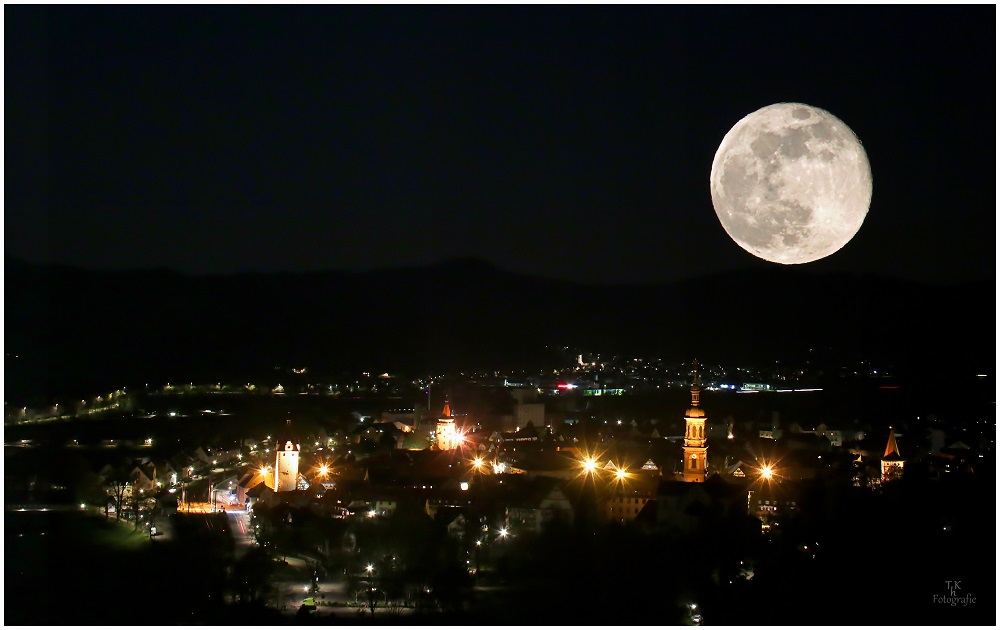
(570, 142)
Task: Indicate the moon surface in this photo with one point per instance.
(791, 183)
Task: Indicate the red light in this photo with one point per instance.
(562, 386)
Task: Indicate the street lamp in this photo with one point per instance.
(766, 472)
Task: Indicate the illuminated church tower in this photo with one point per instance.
(695, 448)
(286, 467)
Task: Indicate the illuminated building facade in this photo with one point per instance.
(286, 465)
(695, 442)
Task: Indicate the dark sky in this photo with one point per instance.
(572, 142)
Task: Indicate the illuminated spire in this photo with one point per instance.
(446, 412)
(891, 448)
(695, 388)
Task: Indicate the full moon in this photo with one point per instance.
(791, 183)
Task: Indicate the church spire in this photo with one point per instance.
(446, 412)
(695, 388)
(891, 448)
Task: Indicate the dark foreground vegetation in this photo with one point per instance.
(853, 557)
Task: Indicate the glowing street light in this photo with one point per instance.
(370, 568)
(621, 474)
(324, 470)
(589, 465)
(766, 472)
(503, 532)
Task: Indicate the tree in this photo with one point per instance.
(251, 576)
(117, 484)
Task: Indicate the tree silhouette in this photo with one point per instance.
(117, 483)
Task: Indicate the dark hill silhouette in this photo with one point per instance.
(84, 330)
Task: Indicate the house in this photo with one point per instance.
(143, 475)
(541, 500)
(626, 499)
(260, 494)
(773, 502)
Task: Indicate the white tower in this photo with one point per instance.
(286, 467)
(447, 433)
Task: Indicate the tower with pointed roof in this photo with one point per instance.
(695, 443)
(892, 461)
(286, 465)
(446, 434)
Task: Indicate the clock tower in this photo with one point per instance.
(695, 444)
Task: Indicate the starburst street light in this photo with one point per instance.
(324, 470)
(503, 532)
(766, 472)
(589, 465)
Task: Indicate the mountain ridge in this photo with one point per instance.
(71, 326)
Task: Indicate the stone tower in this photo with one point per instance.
(695, 444)
(447, 434)
(892, 461)
(286, 466)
